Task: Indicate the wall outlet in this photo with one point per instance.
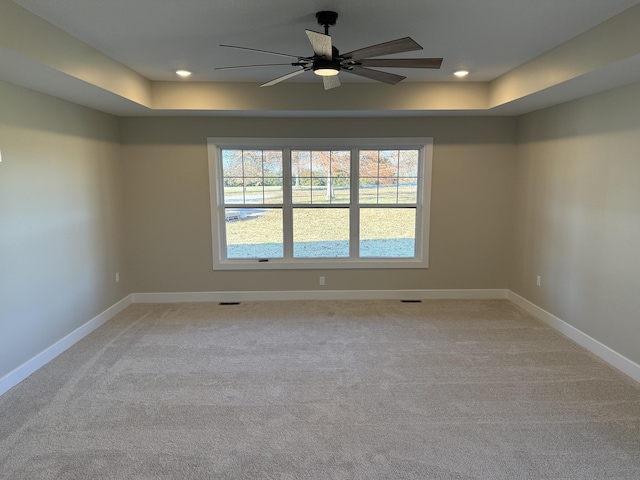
(117, 277)
(538, 280)
(321, 281)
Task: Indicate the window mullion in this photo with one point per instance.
(287, 209)
(354, 212)
(244, 180)
(262, 178)
(398, 177)
(420, 230)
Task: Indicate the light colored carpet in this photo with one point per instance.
(323, 390)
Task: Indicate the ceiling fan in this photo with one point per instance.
(328, 62)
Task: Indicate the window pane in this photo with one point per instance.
(233, 190)
(340, 163)
(254, 232)
(252, 160)
(388, 191)
(330, 190)
(320, 176)
(368, 191)
(253, 192)
(273, 190)
(407, 190)
(272, 164)
(388, 163)
(369, 172)
(387, 232)
(300, 167)
(301, 193)
(252, 176)
(320, 163)
(232, 163)
(394, 173)
(341, 190)
(321, 192)
(320, 233)
(368, 163)
(408, 165)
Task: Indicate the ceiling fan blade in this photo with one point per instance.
(321, 44)
(395, 46)
(283, 78)
(331, 82)
(385, 77)
(262, 51)
(251, 66)
(402, 62)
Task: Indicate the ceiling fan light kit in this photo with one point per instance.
(327, 62)
(326, 68)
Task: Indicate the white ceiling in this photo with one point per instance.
(156, 37)
(120, 56)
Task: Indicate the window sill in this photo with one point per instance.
(320, 264)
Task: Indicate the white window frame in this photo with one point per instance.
(216, 144)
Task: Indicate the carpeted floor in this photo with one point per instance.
(323, 390)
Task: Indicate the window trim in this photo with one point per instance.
(217, 214)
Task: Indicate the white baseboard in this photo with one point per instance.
(14, 377)
(182, 297)
(613, 358)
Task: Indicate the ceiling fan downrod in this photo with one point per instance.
(327, 19)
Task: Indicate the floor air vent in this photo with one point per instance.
(411, 301)
(229, 303)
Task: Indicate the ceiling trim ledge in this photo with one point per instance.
(38, 55)
(297, 96)
(614, 41)
(26, 38)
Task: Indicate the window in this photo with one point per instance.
(320, 203)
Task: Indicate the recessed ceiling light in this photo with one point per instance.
(461, 73)
(183, 73)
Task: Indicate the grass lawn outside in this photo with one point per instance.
(323, 233)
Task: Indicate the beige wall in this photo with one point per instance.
(168, 213)
(61, 228)
(577, 200)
